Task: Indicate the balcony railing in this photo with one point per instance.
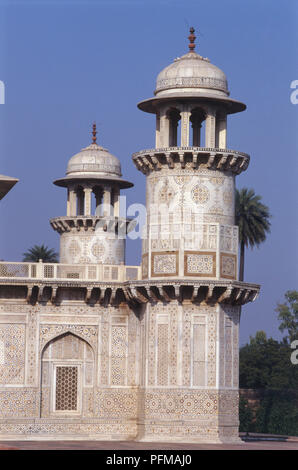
(57, 271)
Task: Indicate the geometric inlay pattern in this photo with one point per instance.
(74, 249)
(166, 264)
(2, 354)
(98, 250)
(12, 364)
(200, 194)
(200, 264)
(66, 388)
(162, 358)
(118, 359)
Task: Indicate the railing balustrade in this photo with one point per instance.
(58, 271)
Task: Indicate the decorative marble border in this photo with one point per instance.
(145, 266)
(234, 260)
(191, 82)
(164, 253)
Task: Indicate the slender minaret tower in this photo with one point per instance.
(92, 230)
(189, 262)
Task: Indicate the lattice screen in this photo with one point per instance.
(66, 388)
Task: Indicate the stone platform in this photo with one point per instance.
(290, 444)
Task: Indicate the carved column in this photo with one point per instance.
(68, 203)
(87, 201)
(185, 116)
(157, 132)
(164, 129)
(222, 131)
(210, 128)
(116, 202)
(72, 202)
(107, 200)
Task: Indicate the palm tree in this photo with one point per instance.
(252, 218)
(37, 252)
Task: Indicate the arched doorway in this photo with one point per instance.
(67, 377)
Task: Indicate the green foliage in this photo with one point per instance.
(288, 315)
(37, 252)
(245, 416)
(278, 413)
(252, 217)
(266, 364)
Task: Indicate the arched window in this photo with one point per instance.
(67, 375)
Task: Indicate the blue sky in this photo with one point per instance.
(66, 64)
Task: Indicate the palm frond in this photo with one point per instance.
(37, 252)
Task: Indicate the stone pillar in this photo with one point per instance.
(164, 129)
(107, 200)
(185, 115)
(210, 128)
(116, 202)
(68, 203)
(72, 203)
(222, 131)
(87, 201)
(157, 132)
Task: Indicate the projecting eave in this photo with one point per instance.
(77, 179)
(6, 183)
(151, 105)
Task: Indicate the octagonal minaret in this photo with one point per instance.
(92, 230)
(189, 383)
(191, 173)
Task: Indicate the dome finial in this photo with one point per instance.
(191, 38)
(94, 132)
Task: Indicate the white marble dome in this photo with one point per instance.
(96, 160)
(191, 73)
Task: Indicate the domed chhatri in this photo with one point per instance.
(195, 92)
(191, 72)
(93, 162)
(191, 76)
(94, 159)
(93, 181)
